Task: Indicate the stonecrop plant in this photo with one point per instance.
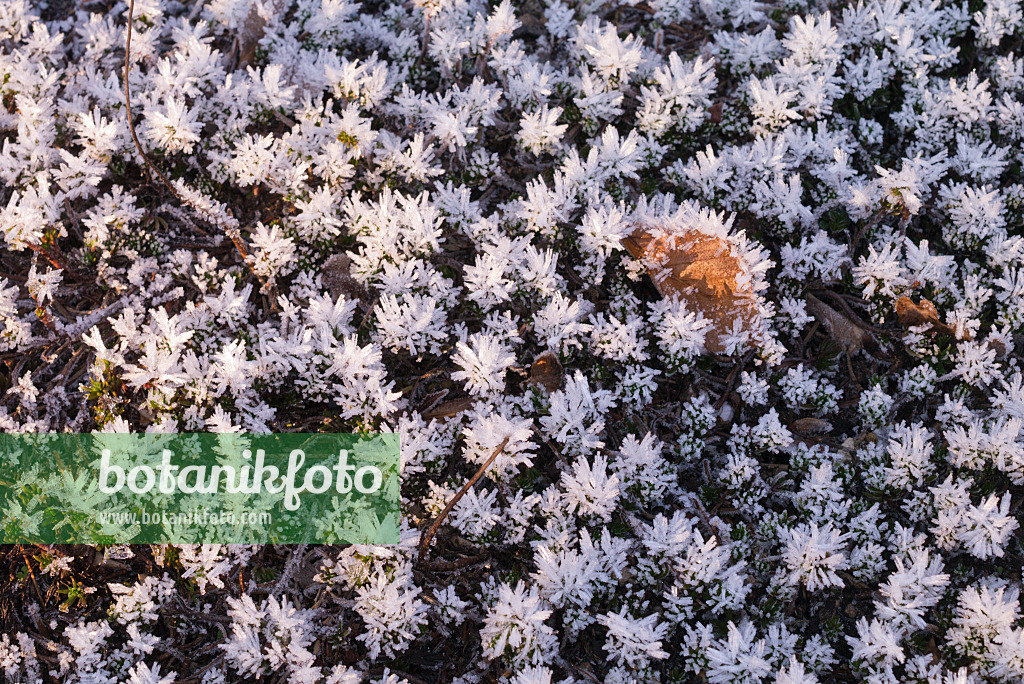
(725, 299)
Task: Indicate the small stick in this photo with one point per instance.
(448, 566)
(233, 233)
(128, 109)
(35, 584)
(289, 569)
(425, 542)
(195, 10)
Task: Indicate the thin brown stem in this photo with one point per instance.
(51, 254)
(234, 234)
(128, 109)
(425, 542)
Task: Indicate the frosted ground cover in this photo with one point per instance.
(387, 212)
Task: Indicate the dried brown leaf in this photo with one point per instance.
(336, 275)
(841, 328)
(702, 270)
(810, 426)
(249, 35)
(449, 408)
(432, 400)
(546, 371)
(715, 112)
(912, 315)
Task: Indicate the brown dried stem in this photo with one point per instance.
(233, 234)
(128, 109)
(425, 542)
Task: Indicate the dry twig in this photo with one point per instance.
(232, 233)
(128, 110)
(425, 542)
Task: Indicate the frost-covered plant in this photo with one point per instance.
(417, 218)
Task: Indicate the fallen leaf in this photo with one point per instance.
(450, 408)
(1000, 346)
(249, 35)
(432, 400)
(810, 426)
(546, 371)
(702, 270)
(715, 112)
(852, 444)
(841, 328)
(916, 314)
(911, 315)
(336, 275)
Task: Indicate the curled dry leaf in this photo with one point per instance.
(715, 112)
(704, 271)
(546, 371)
(336, 275)
(925, 313)
(449, 408)
(253, 28)
(432, 400)
(249, 34)
(852, 445)
(810, 426)
(841, 328)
